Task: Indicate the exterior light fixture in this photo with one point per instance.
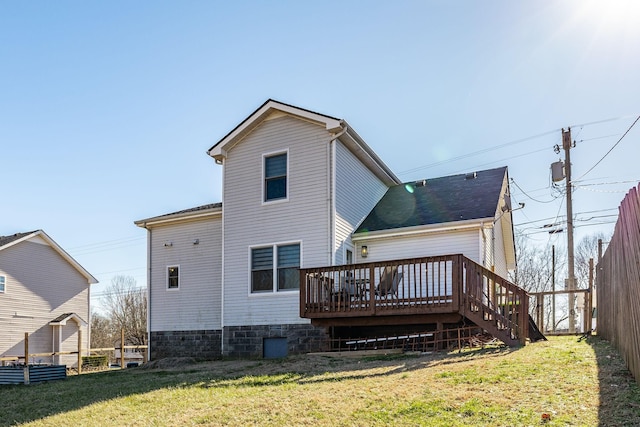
(364, 251)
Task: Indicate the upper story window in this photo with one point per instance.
(3, 283)
(275, 177)
(173, 277)
(275, 268)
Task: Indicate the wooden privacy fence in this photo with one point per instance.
(618, 285)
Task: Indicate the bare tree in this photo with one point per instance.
(535, 273)
(126, 307)
(586, 249)
(102, 333)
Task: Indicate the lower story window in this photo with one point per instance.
(173, 277)
(275, 268)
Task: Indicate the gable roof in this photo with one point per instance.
(63, 318)
(14, 239)
(442, 200)
(335, 126)
(5, 240)
(211, 209)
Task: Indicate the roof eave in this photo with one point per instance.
(219, 150)
(185, 216)
(361, 149)
(423, 229)
(57, 248)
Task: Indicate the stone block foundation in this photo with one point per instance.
(248, 341)
(199, 344)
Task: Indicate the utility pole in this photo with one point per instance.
(553, 288)
(566, 145)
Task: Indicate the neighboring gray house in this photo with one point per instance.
(223, 278)
(43, 292)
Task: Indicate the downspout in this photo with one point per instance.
(483, 247)
(149, 237)
(87, 348)
(331, 159)
(222, 269)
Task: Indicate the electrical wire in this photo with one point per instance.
(483, 151)
(611, 149)
(525, 193)
(497, 147)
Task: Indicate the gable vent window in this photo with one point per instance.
(275, 177)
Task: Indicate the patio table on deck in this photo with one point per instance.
(354, 288)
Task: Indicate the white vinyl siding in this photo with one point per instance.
(197, 303)
(43, 286)
(423, 245)
(499, 255)
(249, 222)
(357, 192)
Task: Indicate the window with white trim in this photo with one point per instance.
(275, 177)
(275, 268)
(3, 284)
(173, 277)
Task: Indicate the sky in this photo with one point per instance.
(107, 108)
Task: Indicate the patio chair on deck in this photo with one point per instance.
(323, 287)
(389, 281)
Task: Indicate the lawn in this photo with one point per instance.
(576, 383)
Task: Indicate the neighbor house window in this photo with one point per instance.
(275, 177)
(3, 283)
(173, 277)
(275, 268)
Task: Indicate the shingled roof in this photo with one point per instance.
(185, 213)
(5, 240)
(196, 209)
(439, 200)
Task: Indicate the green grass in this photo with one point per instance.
(577, 383)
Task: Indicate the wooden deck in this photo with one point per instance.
(415, 291)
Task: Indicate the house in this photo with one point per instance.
(301, 189)
(43, 292)
(465, 213)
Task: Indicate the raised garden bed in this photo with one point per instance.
(32, 374)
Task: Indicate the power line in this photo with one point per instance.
(525, 193)
(106, 243)
(497, 147)
(611, 149)
(562, 216)
(600, 191)
(483, 151)
(609, 183)
(120, 271)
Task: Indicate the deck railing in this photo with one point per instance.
(490, 298)
(428, 285)
(381, 288)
